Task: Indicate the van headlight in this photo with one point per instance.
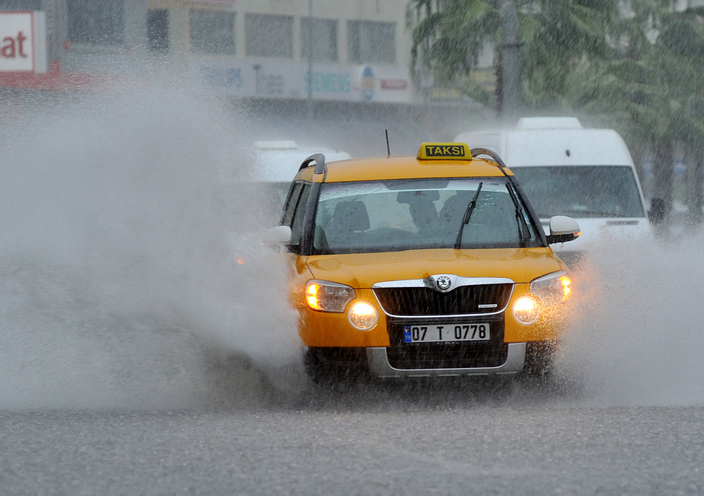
(553, 288)
(328, 296)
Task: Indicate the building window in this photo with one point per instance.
(96, 23)
(212, 32)
(158, 30)
(269, 35)
(371, 42)
(324, 37)
(15, 5)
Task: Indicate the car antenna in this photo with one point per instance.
(388, 148)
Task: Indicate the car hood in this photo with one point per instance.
(362, 270)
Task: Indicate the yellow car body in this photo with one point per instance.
(497, 274)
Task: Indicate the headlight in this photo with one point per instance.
(526, 310)
(328, 296)
(553, 288)
(363, 315)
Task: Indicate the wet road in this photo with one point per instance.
(370, 441)
(113, 275)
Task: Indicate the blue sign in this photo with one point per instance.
(223, 78)
(368, 83)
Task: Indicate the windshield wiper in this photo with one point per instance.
(467, 216)
(520, 219)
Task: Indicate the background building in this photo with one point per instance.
(247, 48)
(254, 53)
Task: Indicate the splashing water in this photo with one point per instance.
(118, 274)
(640, 327)
(120, 286)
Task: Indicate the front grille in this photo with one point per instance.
(464, 354)
(463, 300)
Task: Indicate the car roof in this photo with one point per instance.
(410, 167)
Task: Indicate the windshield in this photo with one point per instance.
(581, 191)
(400, 215)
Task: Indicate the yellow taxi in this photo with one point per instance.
(425, 266)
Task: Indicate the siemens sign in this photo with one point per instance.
(23, 42)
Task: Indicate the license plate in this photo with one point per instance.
(445, 333)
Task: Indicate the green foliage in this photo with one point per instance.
(558, 35)
(636, 64)
(448, 35)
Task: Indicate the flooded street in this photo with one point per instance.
(148, 344)
(406, 447)
(135, 358)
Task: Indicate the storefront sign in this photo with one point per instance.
(330, 82)
(445, 95)
(368, 83)
(394, 84)
(23, 42)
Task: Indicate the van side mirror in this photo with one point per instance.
(277, 236)
(656, 214)
(563, 229)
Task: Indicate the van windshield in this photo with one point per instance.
(581, 191)
(378, 216)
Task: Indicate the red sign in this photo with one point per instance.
(55, 80)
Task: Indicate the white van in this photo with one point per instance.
(587, 174)
(271, 167)
(279, 161)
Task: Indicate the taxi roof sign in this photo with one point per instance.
(444, 151)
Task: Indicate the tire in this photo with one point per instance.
(540, 357)
(329, 366)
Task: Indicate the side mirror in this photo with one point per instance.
(277, 236)
(563, 229)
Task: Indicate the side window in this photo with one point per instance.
(269, 36)
(299, 215)
(291, 202)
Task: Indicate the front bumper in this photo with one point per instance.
(379, 365)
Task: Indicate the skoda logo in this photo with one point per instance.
(443, 283)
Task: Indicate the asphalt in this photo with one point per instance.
(459, 439)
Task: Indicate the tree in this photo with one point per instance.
(682, 47)
(651, 92)
(448, 36)
(510, 95)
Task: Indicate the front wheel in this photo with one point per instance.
(327, 366)
(540, 357)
